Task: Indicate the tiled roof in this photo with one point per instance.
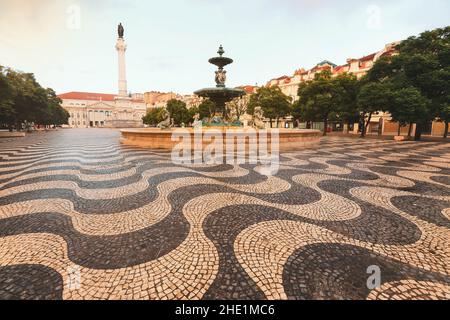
(87, 96)
(75, 95)
(281, 78)
(369, 57)
(340, 68)
(248, 88)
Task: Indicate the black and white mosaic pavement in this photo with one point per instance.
(83, 217)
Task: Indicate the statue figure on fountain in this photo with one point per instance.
(221, 77)
(166, 123)
(258, 118)
(197, 122)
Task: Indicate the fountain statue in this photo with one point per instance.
(197, 122)
(220, 95)
(166, 123)
(258, 118)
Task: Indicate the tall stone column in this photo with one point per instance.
(121, 48)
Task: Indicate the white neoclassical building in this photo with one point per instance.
(88, 109)
(120, 110)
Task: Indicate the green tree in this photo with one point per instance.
(178, 112)
(372, 98)
(207, 109)
(25, 101)
(346, 95)
(274, 103)
(408, 106)
(320, 99)
(423, 63)
(55, 114)
(7, 112)
(153, 116)
(238, 106)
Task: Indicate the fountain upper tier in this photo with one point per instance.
(220, 61)
(220, 94)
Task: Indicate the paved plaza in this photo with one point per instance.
(82, 217)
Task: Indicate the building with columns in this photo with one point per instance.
(120, 110)
(88, 109)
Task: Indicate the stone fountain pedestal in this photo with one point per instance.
(153, 138)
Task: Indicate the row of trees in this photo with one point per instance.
(23, 100)
(180, 113)
(413, 86)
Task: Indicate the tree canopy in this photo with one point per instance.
(153, 116)
(238, 107)
(207, 109)
(423, 64)
(178, 112)
(274, 103)
(23, 100)
(373, 97)
(326, 98)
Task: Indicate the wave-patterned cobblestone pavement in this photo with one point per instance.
(82, 217)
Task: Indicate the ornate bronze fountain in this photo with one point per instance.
(220, 95)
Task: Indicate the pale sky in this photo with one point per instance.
(69, 45)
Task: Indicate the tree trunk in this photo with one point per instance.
(367, 124)
(399, 129)
(325, 126)
(410, 129)
(446, 129)
(418, 134)
(363, 128)
(270, 121)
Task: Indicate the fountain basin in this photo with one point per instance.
(153, 138)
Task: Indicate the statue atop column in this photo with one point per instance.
(120, 30)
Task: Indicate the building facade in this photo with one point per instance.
(88, 109)
(381, 122)
(156, 99)
(359, 67)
